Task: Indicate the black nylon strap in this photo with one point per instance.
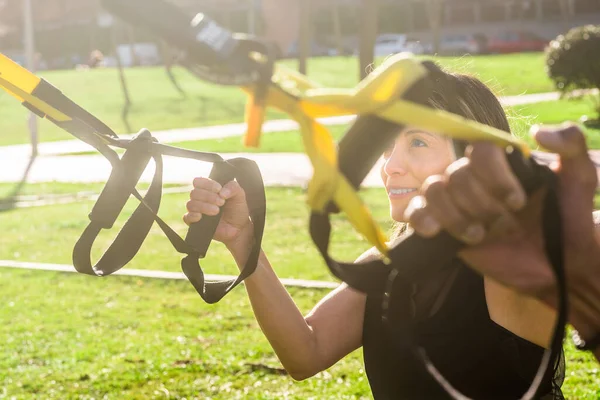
(134, 232)
(45, 90)
(210, 51)
(121, 185)
(122, 181)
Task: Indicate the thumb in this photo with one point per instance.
(577, 178)
(568, 141)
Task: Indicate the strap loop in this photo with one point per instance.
(121, 183)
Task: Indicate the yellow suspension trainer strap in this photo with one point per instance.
(48, 102)
(391, 97)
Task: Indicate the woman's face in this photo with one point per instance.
(413, 157)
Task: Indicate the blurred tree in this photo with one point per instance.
(368, 30)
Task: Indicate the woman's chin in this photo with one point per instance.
(398, 215)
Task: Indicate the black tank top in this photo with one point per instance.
(477, 356)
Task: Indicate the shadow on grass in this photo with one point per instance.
(9, 202)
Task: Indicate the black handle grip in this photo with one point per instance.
(201, 233)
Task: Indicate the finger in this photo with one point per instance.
(568, 141)
(420, 219)
(207, 197)
(207, 184)
(577, 180)
(492, 169)
(440, 206)
(472, 197)
(201, 207)
(232, 190)
(191, 218)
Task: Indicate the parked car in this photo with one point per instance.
(514, 42)
(458, 44)
(391, 43)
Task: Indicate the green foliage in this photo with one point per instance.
(573, 60)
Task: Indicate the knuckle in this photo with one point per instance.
(456, 222)
(193, 218)
(573, 134)
(195, 194)
(457, 165)
(210, 209)
(415, 204)
(481, 152)
(190, 205)
(417, 216)
(199, 182)
(434, 190)
(452, 219)
(215, 186)
(459, 176)
(462, 197)
(212, 198)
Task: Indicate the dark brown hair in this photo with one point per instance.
(468, 97)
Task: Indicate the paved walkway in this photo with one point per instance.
(55, 164)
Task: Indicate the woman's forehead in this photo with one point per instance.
(416, 131)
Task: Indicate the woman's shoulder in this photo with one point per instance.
(370, 255)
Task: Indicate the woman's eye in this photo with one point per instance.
(417, 143)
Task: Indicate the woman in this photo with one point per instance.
(485, 339)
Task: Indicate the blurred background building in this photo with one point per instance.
(67, 32)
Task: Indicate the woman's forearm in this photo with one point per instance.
(281, 321)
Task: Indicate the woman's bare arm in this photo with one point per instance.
(304, 345)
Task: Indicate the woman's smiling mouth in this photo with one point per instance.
(400, 192)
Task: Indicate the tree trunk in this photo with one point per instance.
(131, 38)
(566, 13)
(304, 37)
(434, 15)
(368, 34)
(125, 89)
(337, 28)
(168, 60)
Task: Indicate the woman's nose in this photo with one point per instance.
(395, 164)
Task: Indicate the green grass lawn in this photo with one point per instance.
(128, 338)
(69, 336)
(156, 104)
(58, 228)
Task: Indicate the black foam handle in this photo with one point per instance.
(201, 233)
